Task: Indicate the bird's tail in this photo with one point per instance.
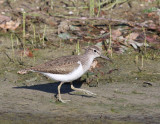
(24, 71)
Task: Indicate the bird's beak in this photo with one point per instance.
(105, 57)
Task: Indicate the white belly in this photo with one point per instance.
(77, 73)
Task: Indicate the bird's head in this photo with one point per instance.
(96, 51)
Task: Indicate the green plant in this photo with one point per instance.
(142, 62)
(145, 41)
(110, 39)
(150, 10)
(13, 51)
(34, 34)
(99, 8)
(24, 30)
(44, 32)
(77, 48)
(91, 7)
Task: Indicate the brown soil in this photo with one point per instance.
(127, 93)
(122, 95)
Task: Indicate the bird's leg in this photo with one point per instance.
(82, 90)
(59, 93)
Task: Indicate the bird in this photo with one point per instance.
(68, 68)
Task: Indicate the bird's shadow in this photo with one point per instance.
(53, 87)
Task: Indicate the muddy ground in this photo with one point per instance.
(124, 95)
(127, 89)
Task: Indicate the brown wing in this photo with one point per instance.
(62, 65)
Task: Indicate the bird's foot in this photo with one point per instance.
(63, 101)
(82, 90)
(87, 92)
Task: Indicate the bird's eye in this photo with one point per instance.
(95, 51)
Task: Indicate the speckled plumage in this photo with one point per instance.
(66, 64)
(62, 65)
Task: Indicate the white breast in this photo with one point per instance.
(87, 65)
(75, 74)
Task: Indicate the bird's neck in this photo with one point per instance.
(87, 60)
